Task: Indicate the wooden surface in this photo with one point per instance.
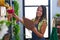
(28, 23)
(59, 3)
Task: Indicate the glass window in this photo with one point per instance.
(36, 2)
(30, 13)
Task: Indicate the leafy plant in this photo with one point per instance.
(7, 22)
(1, 22)
(16, 28)
(57, 15)
(16, 31)
(16, 8)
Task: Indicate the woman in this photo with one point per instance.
(41, 14)
(40, 22)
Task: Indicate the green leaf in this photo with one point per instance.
(8, 23)
(16, 29)
(1, 22)
(16, 8)
(58, 14)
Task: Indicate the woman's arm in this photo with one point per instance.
(42, 31)
(31, 28)
(19, 19)
(40, 35)
(43, 27)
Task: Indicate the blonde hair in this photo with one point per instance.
(6, 5)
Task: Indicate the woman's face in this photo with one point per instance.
(39, 12)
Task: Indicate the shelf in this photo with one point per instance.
(58, 34)
(58, 26)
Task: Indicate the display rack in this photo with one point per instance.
(57, 24)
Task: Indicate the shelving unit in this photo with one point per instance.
(57, 24)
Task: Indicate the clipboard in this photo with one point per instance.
(29, 24)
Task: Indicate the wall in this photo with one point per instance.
(54, 9)
(21, 15)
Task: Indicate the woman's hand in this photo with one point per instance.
(37, 33)
(17, 18)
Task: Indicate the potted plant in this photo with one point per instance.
(57, 15)
(3, 28)
(6, 24)
(16, 26)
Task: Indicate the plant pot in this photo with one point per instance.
(2, 2)
(3, 30)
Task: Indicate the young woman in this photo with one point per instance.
(40, 19)
(40, 23)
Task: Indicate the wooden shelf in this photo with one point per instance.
(58, 34)
(58, 26)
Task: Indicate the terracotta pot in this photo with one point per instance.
(2, 2)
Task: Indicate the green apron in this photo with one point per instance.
(54, 35)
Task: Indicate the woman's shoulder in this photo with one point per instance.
(33, 19)
(44, 20)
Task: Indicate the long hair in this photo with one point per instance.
(43, 12)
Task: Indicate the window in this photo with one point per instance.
(30, 13)
(36, 2)
(8, 1)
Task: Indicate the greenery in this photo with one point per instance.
(7, 22)
(58, 15)
(16, 26)
(16, 8)
(16, 32)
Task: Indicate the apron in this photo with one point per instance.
(35, 37)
